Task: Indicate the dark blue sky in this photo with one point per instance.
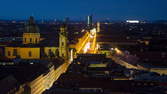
(78, 9)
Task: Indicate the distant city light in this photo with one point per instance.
(71, 55)
(112, 48)
(118, 51)
(98, 46)
(133, 21)
(31, 63)
(83, 30)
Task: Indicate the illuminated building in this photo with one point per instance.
(35, 47)
(133, 21)
(98, 27)
(63, 49)
(89, 21)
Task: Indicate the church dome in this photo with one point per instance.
(31, 27)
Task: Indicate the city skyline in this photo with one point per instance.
(83, 47)
(77, 10)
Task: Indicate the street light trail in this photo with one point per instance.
(83, 44)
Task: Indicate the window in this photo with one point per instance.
(9, 53)
(30, 39)
(14, 52)
(29, 54)
(36, 40)
(24, 39)
(62, 44)
(50, 51)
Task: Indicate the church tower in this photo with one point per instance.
(31, 34)
(63, 46)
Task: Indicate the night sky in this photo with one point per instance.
(79, 9)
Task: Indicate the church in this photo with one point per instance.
(33, 46)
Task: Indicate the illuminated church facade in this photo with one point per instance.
(35, 47)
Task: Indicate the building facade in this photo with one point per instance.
(34, 47)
